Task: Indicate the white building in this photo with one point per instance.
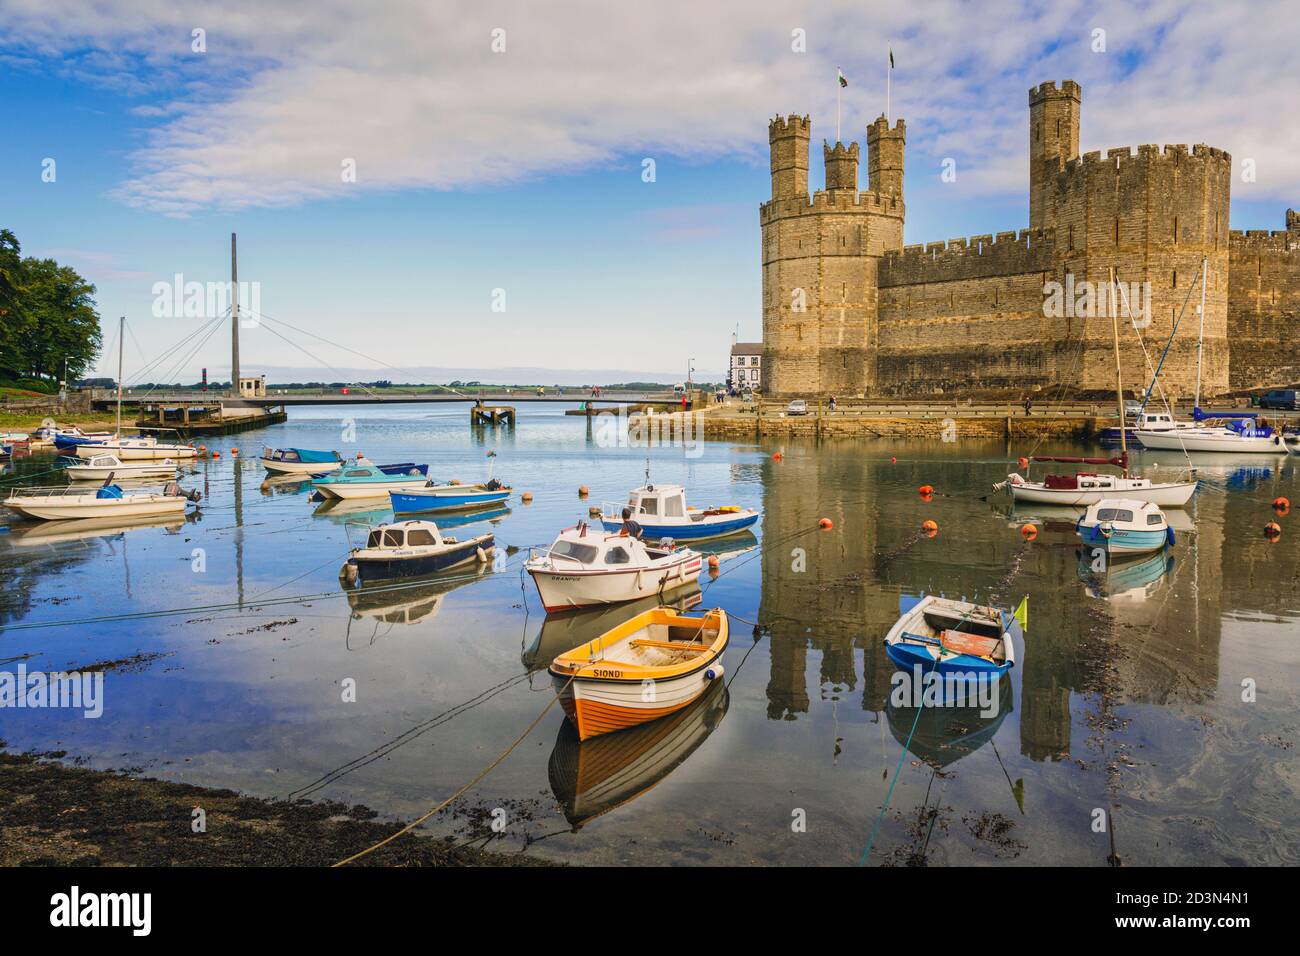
(746, 365)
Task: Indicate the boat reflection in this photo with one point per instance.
(594, 777)
(84, 529)
(412, 601)
(940, 734)
(285, 484)
(566, 630)
(1064, 517)
(1131, 579)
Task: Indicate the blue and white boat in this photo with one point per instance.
(1125, 526)
(364, 479)
(405, 549)
(300, 461)
(74, 436)
(662, 512)
(939, 635)
(448, 497)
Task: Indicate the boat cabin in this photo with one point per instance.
(581, 545)
(658, 501)
(1086, 480)
(1156, 421)
(404, 534)
(1142, 515)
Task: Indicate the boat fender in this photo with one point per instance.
(481, 555)
(714, 671)
(349, 574)
(1169, 536)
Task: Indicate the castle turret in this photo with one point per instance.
(841, 166)
(788, 139)
(1053, 141)
(885, 156)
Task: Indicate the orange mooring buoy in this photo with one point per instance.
(825, 523)
(893, 460)
(930, 527)
(926, 490)
(1281, 505)
(1029, 532)
(234, 451)
(582, 491)
(776, 456)
(1272, 531)
(713, 562)
(526, 497)
(1024, 462)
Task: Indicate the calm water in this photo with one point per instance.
(1128, 692)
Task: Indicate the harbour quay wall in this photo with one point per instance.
(932, 427)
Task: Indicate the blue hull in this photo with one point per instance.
(384, 570)
(1122, 541)
(72, 441)
(405, 503)
(908, 656)
(707, 528)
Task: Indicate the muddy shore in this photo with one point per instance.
(52, 814)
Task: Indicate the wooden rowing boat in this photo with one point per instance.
(649, 666)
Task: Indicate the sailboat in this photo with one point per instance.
(1208, 431)
(1089, 487)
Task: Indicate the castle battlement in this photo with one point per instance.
(839, 151)
(831, 201)
(792, 125)
(1149, 154)
(1068, 90)
(966, 257)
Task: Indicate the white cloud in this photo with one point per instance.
(412, 92)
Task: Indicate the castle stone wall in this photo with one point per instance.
(1264, 307)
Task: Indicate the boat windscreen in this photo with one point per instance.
(586, 553)
(1114, 514)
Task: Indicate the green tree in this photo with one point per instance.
(10, 296)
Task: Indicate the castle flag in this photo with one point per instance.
(843, 81)
(891, 57)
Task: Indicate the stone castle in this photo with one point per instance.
(848, 310)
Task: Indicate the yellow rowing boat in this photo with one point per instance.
(649, 666)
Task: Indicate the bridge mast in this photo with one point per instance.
(234, 321)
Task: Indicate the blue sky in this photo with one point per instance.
(521, 170)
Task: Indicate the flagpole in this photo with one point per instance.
(889, 77)
(838, 89)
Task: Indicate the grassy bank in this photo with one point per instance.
(53, 814)
(96, 421)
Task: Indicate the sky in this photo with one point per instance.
(433, 185)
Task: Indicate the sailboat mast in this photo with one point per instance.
(1200, 339)
(1119, 375)
(121, 343)
(234, 320)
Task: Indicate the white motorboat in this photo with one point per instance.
(71, 501)
(144, 448)
(101, 467)
(403, 549)
(1125, 526)
(586, 567)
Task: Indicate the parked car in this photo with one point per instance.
(1132, 408)
(797, 407)
(1280, 398)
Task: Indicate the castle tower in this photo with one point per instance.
(885, 156)
(841, 166)
(788, 140)
(820, 255)
(1053, 141)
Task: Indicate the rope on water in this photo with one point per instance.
(477, 777)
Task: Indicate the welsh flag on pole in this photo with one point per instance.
(891, 58)
(843, 81)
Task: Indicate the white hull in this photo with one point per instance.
(137, 452)
(1209, 439)
(1174, 495)
(92, 473)
(89, 506)
(563, 590)
(300, 467)
(368, 489)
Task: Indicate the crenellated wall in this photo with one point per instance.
(975, 313)
(1264, 306)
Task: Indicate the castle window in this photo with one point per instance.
(1071, 235)
(1175, 228)
(1175, 283)
(1117, 230)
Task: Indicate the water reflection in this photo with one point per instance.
(943, 735)
(596, 776)
(386, 605)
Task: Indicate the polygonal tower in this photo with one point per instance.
(820, 297)
(1053, 139)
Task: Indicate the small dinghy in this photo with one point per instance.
(1125, 526)
(71, 501)
(650, 666)
(451, 497)
(406, 549)
(299, 461)
(954, 637)
(662, 512)
(367, 480)
(105, 466)
(583, 568)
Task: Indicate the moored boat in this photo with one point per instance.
(649, 666)
(364, 479)
(1125, 526)
(954, 637)
(299, 461)
(585, 567)
(451, 497)
(101, 467)
(405, 549)
(662, 512)
(1233, 432)
(70, 501)
(144, 448)
(1089, 487)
